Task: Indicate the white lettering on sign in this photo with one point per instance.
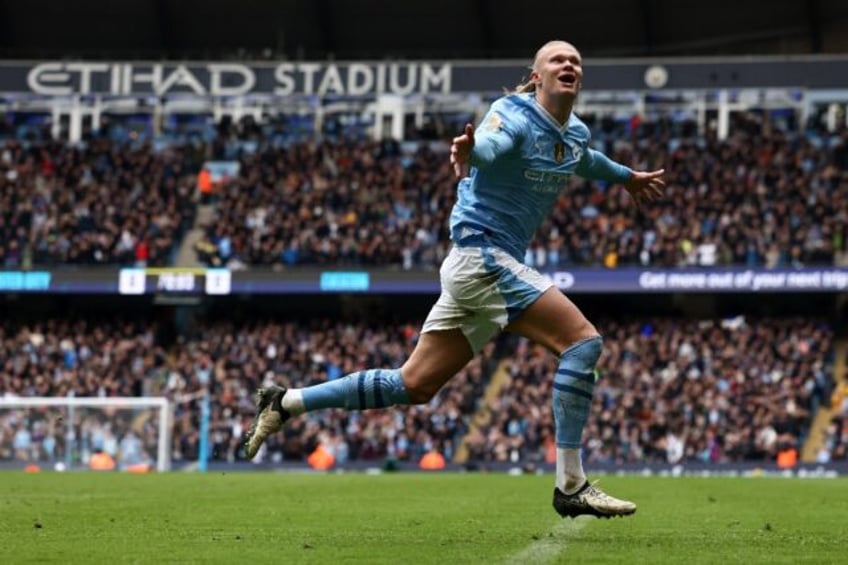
(235, 79)
(748, 280)
(217, 71)
(175, 282)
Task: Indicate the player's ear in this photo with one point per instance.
(535, 77)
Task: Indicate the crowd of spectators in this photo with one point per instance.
(762, 197)
(242, 357)
(344, 202)
(61, 357)
(765, 196)
(230, 361)
(674, 391)
(93, 203)
(668, 391)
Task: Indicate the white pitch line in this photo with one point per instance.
(550, 545)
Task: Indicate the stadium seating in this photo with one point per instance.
(763, 197)
(95, 204)
(669, 390)
(56, 357)
(728, 203)
(673, 391)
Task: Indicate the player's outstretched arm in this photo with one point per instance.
(642, 186)
(483, 147)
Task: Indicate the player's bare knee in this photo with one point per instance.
(582, 333)
(420, 386)
(420, 391)
(586, 331)
(575, 336)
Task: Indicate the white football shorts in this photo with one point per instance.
(483, 289)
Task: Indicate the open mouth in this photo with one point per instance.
(567, 79)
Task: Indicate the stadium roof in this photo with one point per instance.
(380, 29)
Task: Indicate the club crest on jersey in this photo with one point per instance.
(559, 152)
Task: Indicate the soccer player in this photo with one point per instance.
(521, 156)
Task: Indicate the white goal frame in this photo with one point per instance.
(163, 459)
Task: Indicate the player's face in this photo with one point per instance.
(558, 70)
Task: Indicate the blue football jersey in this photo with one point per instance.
(521, 160)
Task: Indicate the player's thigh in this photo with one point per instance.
(438, 356)
(553, 321)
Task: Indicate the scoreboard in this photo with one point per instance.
(175, 281)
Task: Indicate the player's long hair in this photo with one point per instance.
(527, 86)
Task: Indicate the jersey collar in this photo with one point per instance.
(552, 121)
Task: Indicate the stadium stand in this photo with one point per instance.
(58, 357)
(675, 391)
(97, 204)
(763, 197)
(670, 390)
(727, 204)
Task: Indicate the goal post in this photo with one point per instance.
(63, 430)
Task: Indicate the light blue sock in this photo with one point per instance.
(573, 387)
(373, 388)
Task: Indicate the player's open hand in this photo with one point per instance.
(645, 186)
(461, 151)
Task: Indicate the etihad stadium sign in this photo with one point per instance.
(368, 78)
(233, 79)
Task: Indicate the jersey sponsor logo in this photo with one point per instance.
(546, 181)
(546, 176)
(546, 188)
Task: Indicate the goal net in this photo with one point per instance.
(121, 433)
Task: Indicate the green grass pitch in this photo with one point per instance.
(411, 518)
